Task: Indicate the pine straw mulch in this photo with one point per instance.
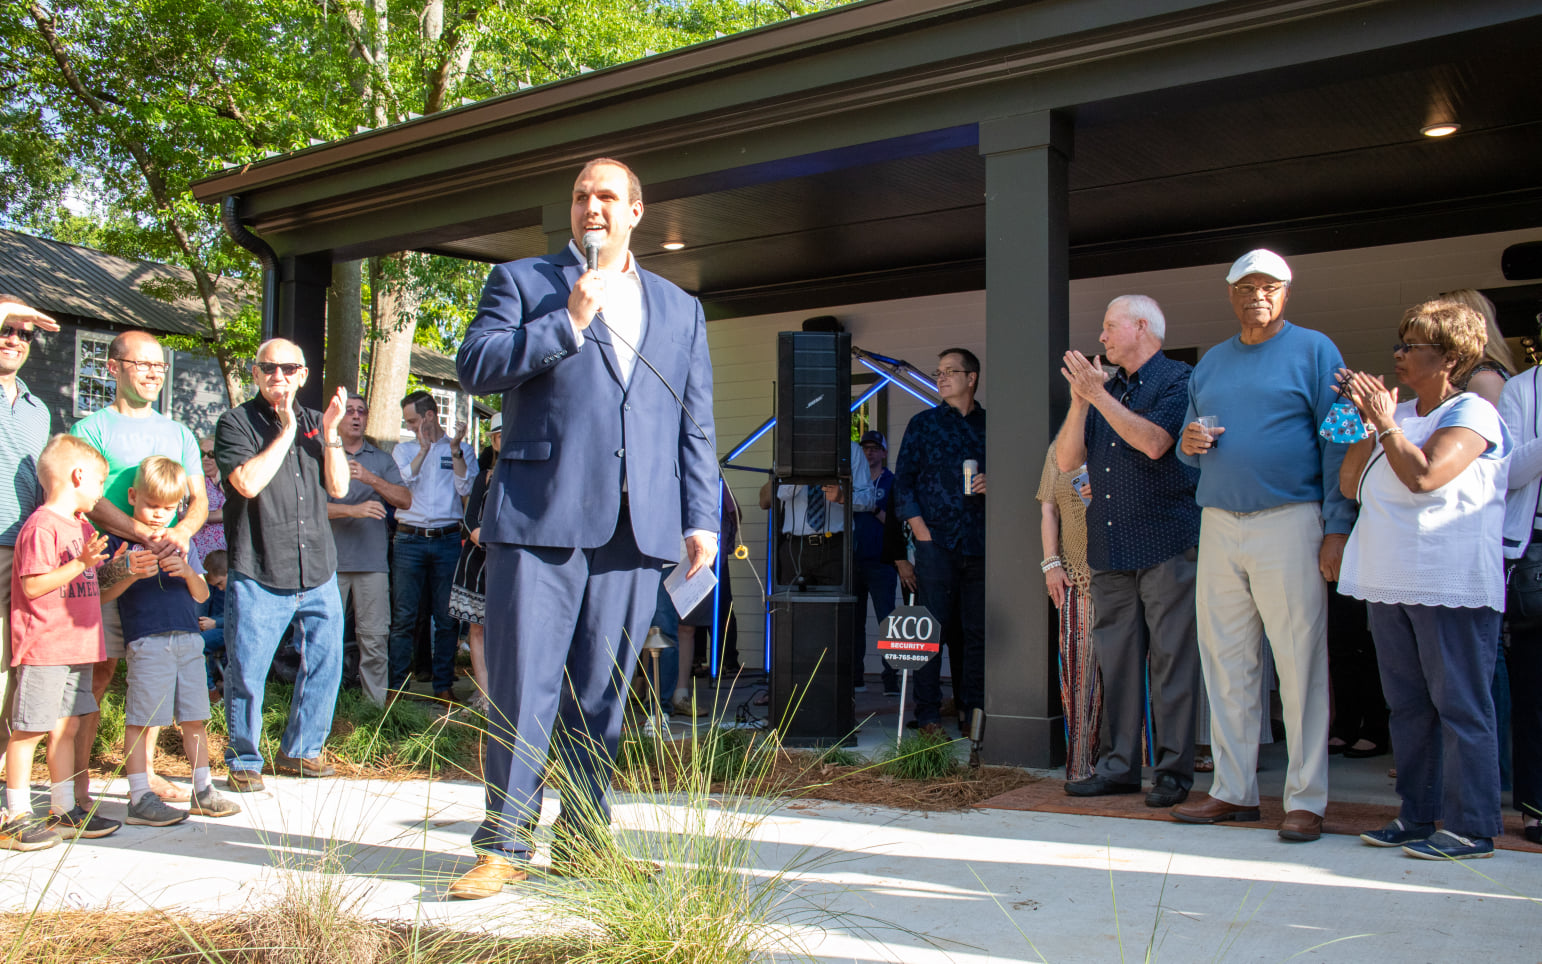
(793, 774)
(804, 776)
(109, 936)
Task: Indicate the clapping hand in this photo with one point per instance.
(94, 553)
(333, 416)
(1085, 377)
(1370, 394)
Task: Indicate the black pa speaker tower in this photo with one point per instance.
(811, 670)
(813, 406)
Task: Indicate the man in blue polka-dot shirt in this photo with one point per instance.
(1142, 538)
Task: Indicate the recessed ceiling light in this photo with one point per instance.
(672, 245)
(1442, 129)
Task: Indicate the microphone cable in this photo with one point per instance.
(740, 551)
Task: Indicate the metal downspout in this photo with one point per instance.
(240, 234)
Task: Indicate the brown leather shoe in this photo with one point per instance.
(1207, 809)
(243, 781)
(312, 767)
(1301, 826)
(486, 878)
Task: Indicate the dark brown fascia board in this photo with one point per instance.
(1053, 32)
(525, 152)
(773, 40)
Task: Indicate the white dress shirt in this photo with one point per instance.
(864, 498)
(622, 314)
(436, 490)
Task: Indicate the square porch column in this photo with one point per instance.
(300, 316)
(1027, 301)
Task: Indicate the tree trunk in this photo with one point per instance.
(345, 328)
(390, 356)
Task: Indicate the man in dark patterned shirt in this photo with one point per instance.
(948, 527)
(1142, 538)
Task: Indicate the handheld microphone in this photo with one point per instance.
(592, 241)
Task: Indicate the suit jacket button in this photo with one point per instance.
(620, 453)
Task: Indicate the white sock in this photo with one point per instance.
(201, 780)
(18, 803)
(61, 796)
(682, 694)
(139, 785)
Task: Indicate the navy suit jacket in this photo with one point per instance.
(572, 431)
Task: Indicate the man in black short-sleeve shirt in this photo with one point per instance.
(280, 463)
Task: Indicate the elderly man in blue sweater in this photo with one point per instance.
(1272, 533)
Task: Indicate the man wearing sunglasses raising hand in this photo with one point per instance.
(280, 463)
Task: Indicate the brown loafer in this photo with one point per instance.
(1301, 826)
(1207, 809)
(312, 768)
(243, 781)
(486, 878)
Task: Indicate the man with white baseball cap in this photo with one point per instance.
(1272, 534)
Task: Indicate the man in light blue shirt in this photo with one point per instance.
(1272, 533)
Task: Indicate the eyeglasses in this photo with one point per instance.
(1268, 290)
(207, 453)
(947, 373)
(1399, 347)
(288, 368)
(23, 334)
(146, 367)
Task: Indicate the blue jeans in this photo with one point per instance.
(420, 564)
(259, 616)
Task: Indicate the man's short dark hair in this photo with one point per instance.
(971, 362)
(356, 397)
(216, 563)
(633, 185)
(422, 402)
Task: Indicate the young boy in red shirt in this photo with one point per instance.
(56, 638)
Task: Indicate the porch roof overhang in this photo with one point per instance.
(835, 158)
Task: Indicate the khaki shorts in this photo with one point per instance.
(112, 629)
(166, 678)
(47, 694)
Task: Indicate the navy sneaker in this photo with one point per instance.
(1445, 845)
(1397, 833)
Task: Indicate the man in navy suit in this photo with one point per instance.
(609, 459)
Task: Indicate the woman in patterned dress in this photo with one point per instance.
(1068, 580)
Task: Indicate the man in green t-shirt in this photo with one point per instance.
(127, 432)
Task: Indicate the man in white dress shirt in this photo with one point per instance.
(435, 470)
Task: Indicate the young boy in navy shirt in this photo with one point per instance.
(158, 602)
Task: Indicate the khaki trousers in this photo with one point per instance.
(1258, 574)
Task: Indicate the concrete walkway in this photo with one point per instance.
(906, 887)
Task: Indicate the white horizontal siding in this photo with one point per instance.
(1355, 296)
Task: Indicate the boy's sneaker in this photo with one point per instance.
(1397, 833)
(209, 803)
(80, 823)
(151, 811)
(1445, 845)
(26, 833)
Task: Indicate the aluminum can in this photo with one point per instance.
(970, 468)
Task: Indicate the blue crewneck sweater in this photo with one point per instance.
(1270, 398)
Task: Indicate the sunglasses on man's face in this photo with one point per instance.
(12, 331)
(288, 368)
